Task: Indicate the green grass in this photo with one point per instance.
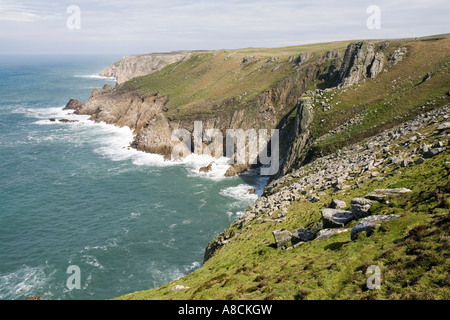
(412, 252)
(208, 80)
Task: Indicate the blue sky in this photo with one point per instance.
(131, 27)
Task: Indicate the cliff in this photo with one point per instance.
(140, 65)
(355, 118)
(319, 231)
(153, 107)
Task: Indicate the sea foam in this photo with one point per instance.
(114, 143)
(94, 76)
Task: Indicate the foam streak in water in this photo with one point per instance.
(94, 76)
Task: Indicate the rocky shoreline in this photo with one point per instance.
(394, 149)
(153, 123)
(140, 65)
(290, 106)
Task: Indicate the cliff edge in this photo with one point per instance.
(140, 65)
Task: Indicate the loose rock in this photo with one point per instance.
(361, 207)
(369, 223)
(302, 235)
(326, 233)
(383, 194)
(336, 218)
(281, 237)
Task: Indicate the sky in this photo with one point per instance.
(134, 27)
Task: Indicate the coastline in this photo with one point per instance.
(303, 136)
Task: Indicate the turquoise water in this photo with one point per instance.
(75, 194)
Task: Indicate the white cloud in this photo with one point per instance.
(143, 26)
(11, 10)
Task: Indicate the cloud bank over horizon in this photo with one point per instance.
(154, 26)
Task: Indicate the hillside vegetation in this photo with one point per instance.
(207, 81)
(388, 131)
(411, 251)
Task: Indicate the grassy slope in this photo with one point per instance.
(208, 79)
(412, 252)
(393, 97)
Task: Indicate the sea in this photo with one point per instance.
(82, 215)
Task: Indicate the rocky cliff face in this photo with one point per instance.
(401, 147)
(147, 115)
(299, 138)
(153, 127)
(361, 61)
(140, 65)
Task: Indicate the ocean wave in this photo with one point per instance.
(218, 166)
(240, 193)
(238, 213)
(192, 267)
(42, 113)
(23, 282)
(116, 147)
(114, 143)
(93, 261)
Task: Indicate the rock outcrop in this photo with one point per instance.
(397, 56)
(74, 104)
(361, 61)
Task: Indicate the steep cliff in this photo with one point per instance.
(154, 113)
(153, 119)
(317, 232)
(361, 61)
(356, 120)
(307, 95)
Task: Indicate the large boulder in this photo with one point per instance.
(361, 207)
(383, 194)
(337, 204)
(326, 233)
(336, 218)
(302, 235)
(74, 104)
(281, 237)
(369, 223)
